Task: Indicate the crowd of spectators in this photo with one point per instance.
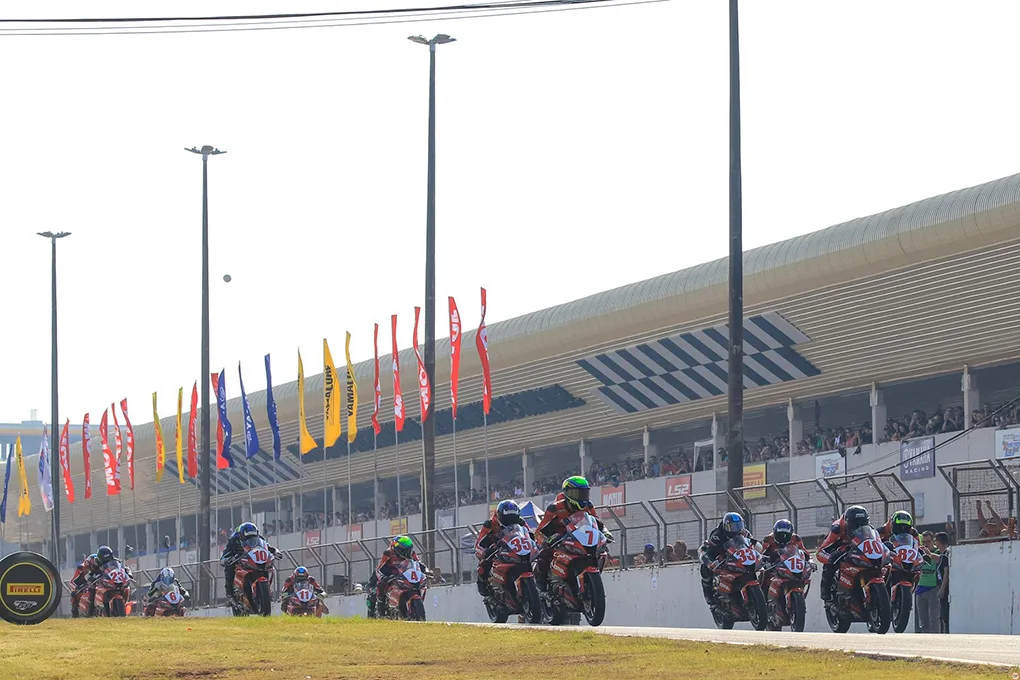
(672, 554)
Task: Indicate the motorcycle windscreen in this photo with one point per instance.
(905, 547)
(742, 550)
(868, 542)
(585, 530)
(256, 549)
(115, 572)
(792, 558)
(517, 539)
(303, 592)
(412, 572)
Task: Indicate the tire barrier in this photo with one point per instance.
(30, 588)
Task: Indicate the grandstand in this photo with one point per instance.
(850, 333)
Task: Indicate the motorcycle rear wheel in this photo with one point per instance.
(880, 613)
(798, 615)
(595, 600)
(901, 608)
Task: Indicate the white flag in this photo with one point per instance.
(45, 485)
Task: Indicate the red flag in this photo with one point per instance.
(398, 399)
(86, 454)
(221, 462)
(454, 354)
(378, 392)
(192, 437)
(424, 389)
(130, 443)
(110, 462)
(116, 440)
(482, 343)
(65, 463)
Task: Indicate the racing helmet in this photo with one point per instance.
(855, 517)
(732, 523)
(300, 574)
(577, 492)
(782, 531)
(166, 576)
(508, 512)
(104, 555)
(247, 530)
(901, 522)
(402, 546)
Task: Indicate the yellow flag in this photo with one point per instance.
(180, 439)
(160, 452)
(330, 397)
(24, 502)
(307, 441)
(352, 396)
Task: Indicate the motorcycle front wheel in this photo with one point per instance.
(879, 613)
(901, 608)
(594, 599)
(757, 612)
(416, 610)
(117, 608)
(839, 620)
(497, 613)
(531, 605)
(263, 605)
(798, 612)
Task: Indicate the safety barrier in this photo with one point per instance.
(972, 482)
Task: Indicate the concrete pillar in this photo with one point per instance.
(650, 448)
(152, 538)
(971, 396)
(796, 424)
(878, 411)
(528, 466)
(585, 457)
(718, 442)
(475, 476)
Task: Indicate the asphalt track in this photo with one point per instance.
(983, 649)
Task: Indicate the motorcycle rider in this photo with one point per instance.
(900, 522)
(402, 548)
(782, 535)
(103, 556)
(731, 526)
(300, 574)
(837, 543)
(80, 580)
(233, 550)
(574, 497)
(163, 581)
(507, 513)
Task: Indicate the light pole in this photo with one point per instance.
(429, 424)
(54, 444)
(205, 463)
(735, 395)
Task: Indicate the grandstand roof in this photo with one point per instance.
(912, 291)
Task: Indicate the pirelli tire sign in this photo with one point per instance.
(29, 588)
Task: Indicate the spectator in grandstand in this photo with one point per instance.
(639, 560)
(990, 526)
(669, 554)
(680, 551)
(649, 554)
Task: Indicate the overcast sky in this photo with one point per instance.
(577, 151)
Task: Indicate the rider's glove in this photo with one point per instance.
(609, 536)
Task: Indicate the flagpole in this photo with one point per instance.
(216, 524)
(276, 498)
(396, 457)
(301, 494)
(350, 505)
(456, 484)
(247, 470)
(180, 522)
(375, 473)
(485, 436)
(120, 522)
(157, 522)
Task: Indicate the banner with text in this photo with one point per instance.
(444, 518)
(355, 533)
(614, 497)
(829, 464)
(1007, 443)
(676, 488)
(313, 538)
(398, 526)
(917, 458)
(754, 475)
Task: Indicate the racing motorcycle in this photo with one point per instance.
(789, 580)
(253, 578)
(575, 572)
(901, 576)
(405, 592)
(859, 590)
(738, 595)
(113, 592)
(512, 584)
(304, 601)
(170, 602)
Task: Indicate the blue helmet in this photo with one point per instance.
(782, 531)
(732, 523)
(166, 576)
(300, 573)
(247, 530)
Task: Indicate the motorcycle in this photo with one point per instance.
(901, 576)
(512, 584)
(113, 592)
(253, 578)
(859, 590)
(170, 602)
(304, 602)
(405, 592)
(575, 572)
(789, 580)
(738, 595)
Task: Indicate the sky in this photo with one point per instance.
(576, 151)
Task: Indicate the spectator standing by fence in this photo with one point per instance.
(926, 601)
(942, 574)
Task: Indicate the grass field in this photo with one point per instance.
(281, 649)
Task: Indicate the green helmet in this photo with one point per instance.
(577, 492)
(403, 547)
(901, 522)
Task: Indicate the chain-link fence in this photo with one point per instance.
(634, 525)
(881, 495)
(985, 497)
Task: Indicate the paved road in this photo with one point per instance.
(993, 649)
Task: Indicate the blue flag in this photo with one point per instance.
(221, 404)
(251, 437)
(45, 486)
(274, 422)
(7, 480)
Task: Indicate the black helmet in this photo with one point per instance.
(104, 555)
(856, 517)
(901, 522)
(508, 512)
(782, 531)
